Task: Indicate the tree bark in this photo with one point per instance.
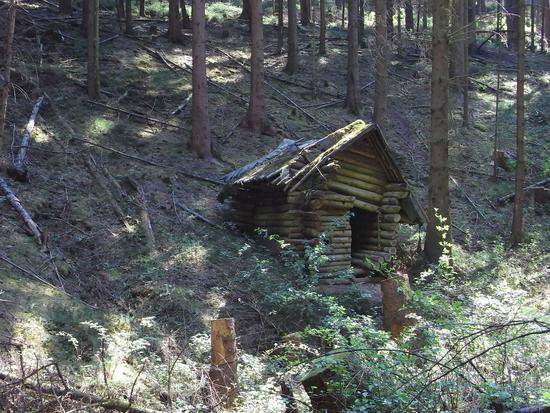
(128, 10)
(66, 7)
(465, 72)
(511, 11)
(120, 9)
(481, 6)
(497, 101)
(256, 118)
(305, 12)
(389, 23)
(93, 49)
(280, 26)
(424, 15)
(517, 219)
(323, 28)
(456, 42)
(175, 34)
(532, 18)
(545, 23)
(409, 18)
(223, 371)
(5, 90)
(85, 14)
(381, 71)
(471, 27)
(292, 52)
(353, 101)
(142, 8)
(439, 167)
(185, 20)
(546, 11)
(245, 13)
(361, 32)
(201, 130)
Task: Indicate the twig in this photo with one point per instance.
(196, 214)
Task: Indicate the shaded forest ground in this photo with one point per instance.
(153, 304)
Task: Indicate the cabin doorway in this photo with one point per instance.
(364, 232)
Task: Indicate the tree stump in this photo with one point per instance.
(223, 369)
(393, 300)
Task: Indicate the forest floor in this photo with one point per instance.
(108, 287)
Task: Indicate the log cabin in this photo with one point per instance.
(344, 190)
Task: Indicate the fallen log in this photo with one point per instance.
(16, 204)
(73, 394)
(145, 219)
(507, 198)
(19, 171)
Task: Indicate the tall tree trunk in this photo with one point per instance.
(532, 18)
(323, 28)
(472, 27)
(353, 102)
(175, 34)
(128, 10)
(256, 118)
(185, 20)
(517, 219)
(280, 26)
(344, 14)
(409, 18)
(482, 6)
(439, 151)
(544, 24)
(389, 8)
(120, 9)
(459, 29)
(245, 13)
(418, 14)
(361, 30)
(66, 7)
(497, 102)
(93, 49)
(292, 52)
(85, 14)
(142, 8)
(511, 22)
(466, 71)
(5, 90)
(305, 12)
(546, 10)
(381, 71)
(425, 15)
(201, 130)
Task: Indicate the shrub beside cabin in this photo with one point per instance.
(345, 186)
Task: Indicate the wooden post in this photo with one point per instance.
(223, 369)
(393, 300)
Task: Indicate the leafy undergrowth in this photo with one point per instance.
(121, 321)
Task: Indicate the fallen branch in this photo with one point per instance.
(145, 219)
(137, 115)
(472, 203)
(16, 204)
(73, 394)
(18, 171)
(196, 214)
(148, 162)
(506, 198)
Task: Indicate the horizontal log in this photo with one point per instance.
(337, 257)
(390, 201)
(338, 251)
(382, 241)
(395, 194)
(363, 264)
(334, 196)
(360, 160)
(375, 247)
(391, 217)
(326, 204)
(365, 206)
(359, 193)
(361, 151)
(386, 226)
(360, 174)
(390, 209)
(357, 183)
(395, 187)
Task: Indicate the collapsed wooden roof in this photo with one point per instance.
(293, 163)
